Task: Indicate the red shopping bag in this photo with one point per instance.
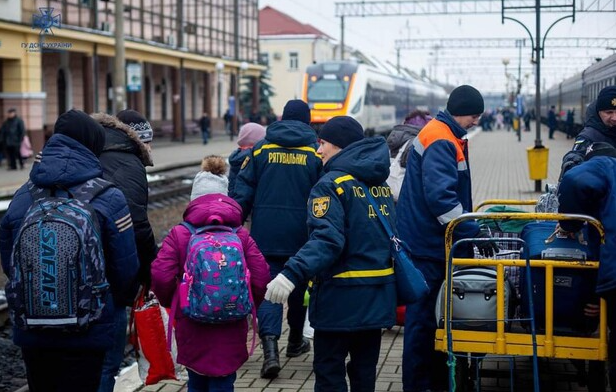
(149, 338)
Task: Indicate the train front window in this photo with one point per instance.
(327, 90)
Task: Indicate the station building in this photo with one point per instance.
(288, 47)
(59, 54)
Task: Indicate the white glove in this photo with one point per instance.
(279, 289)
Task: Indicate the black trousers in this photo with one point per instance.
(330, 352)
(63, 370)
(14, 157)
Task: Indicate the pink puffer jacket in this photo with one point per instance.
(208, 349)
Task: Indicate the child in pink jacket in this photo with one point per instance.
(212, 353)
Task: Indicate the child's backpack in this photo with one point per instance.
(57, 266)
(215, 287)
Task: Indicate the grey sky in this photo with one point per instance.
(482, 68)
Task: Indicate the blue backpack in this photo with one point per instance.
(57, 266)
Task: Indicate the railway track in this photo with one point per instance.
(164, 183)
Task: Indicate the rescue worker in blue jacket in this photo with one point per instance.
(274, 183)
(436, 190)
(59, 361)
(348, 258)
(590, 188)
(600, 126)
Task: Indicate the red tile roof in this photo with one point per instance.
(274, 22)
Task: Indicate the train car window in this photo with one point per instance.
(331, 67)
(327, 90)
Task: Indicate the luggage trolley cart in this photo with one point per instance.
(500, 342)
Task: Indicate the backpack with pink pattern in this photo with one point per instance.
(215, 287)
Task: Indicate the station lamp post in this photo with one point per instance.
(506, 62)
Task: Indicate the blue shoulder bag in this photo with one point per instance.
(411, 285)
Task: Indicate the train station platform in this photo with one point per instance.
(499, 170)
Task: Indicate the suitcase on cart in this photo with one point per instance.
(573, 288)
(474, 300)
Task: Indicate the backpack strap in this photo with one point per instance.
(89, 190)
(199, 230)
(190, 227)
(38, 192)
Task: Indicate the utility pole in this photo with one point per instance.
(518, 97)
(342, 38)
(119, 75)
(538, 45)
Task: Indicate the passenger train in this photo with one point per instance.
(377, 99)
(578, 91)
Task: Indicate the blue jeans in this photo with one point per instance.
(115, 355)
(270, 314)
(424, 368)
(199, 383)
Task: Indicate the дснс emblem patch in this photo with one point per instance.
(320, 205)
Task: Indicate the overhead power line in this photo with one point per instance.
(432, 7)
(498, 43)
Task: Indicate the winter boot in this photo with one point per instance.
(271, 360)
(298, 344)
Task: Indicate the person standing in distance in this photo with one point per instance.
(552, 124)
(347, 257)
(12, 133)
(436, 189)
(274, 183)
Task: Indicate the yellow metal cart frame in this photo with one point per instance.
(520, 344)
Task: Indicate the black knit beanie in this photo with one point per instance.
(298, 110)
(465, 101)
(341, 131)
(600, 149)
(83, 128)
(606, 100)
(137, 123)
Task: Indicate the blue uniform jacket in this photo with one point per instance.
(66, 162)
(348, 253)
(436, 189)
(274, 184)
(236, 159)
(590, 188)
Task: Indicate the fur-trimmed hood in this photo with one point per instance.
(120, 137)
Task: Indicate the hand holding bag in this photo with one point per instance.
(151, 321)
(410, 283)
